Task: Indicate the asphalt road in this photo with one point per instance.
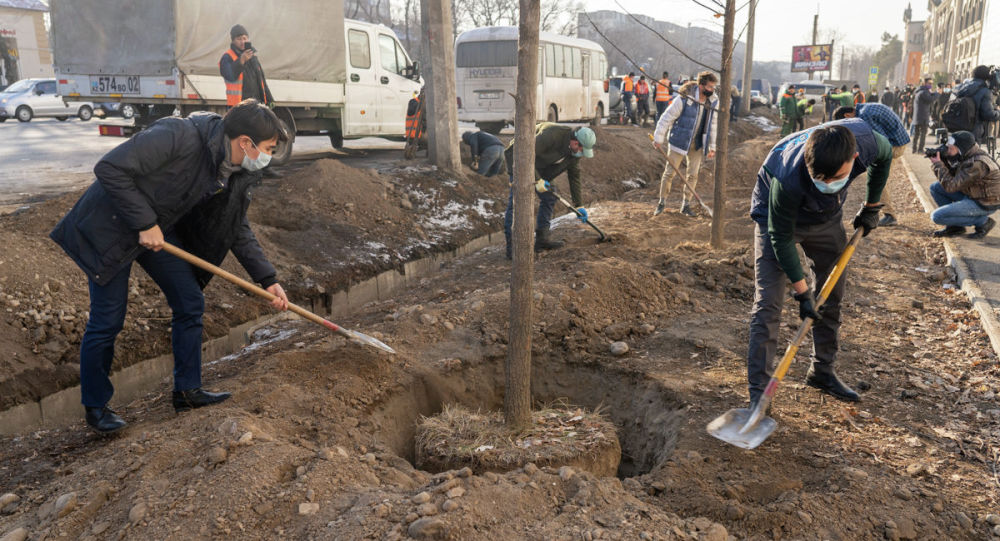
(45, 158)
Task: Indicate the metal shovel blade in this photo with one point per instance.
(729, 426)
(367, 340)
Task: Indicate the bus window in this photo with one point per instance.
(577, 71)
(486, 54)
(560, 67)
(360, 52)
(598, 66)
(550, 60)
(387, 50)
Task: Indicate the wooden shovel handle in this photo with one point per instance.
(251, 287)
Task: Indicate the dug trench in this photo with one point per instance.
(316, 442)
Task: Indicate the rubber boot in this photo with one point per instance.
(543, 241)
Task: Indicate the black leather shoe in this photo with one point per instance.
(982, 230)
(950, 231)
(104, 420)
(831, 385)
(197, 398)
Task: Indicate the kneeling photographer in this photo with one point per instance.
(968, 187)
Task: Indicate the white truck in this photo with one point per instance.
(328, 74)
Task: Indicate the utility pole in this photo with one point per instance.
(722, 144)
(517, 394)
(439, 86)
(815, 33)
(748, 62)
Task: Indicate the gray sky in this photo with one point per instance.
(783, 23)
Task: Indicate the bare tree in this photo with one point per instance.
(555, 15)
(517, 395)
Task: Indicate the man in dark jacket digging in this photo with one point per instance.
(799, 199)
(183, 181)
(558, 149)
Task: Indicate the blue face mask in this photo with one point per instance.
(578, 154)
(257, 164)
(832, 187)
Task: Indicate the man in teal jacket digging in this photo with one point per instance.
(799, 199)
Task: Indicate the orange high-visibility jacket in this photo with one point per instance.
(627, 84)
(234, 91)
(663, 90)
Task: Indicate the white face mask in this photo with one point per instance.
(257, 164)
(833, 186)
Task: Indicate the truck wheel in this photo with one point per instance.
(85, 113)
(127, 111)
(283, 152)
(598, 114)
(491, 127)
(24, 114)
(337, 139)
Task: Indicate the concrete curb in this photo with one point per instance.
(63, 407)
(971, 288)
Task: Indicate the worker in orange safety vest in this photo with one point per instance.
(242, 71)
(663, 95)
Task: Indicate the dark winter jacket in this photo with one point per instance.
(254, 82)
(553, 157)
(166, 175)
(981, 94)
(977, 176)
(480, 141)
(923, 99)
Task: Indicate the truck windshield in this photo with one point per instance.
(19, 86)
(486, 54)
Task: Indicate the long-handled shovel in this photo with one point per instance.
(201, 263)
(681, 176)
(748, 429)
(580, 215)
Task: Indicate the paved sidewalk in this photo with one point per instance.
(976, 262)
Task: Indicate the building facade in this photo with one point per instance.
(24, 42)
(913, 50)
(968, 37)
(953, 36)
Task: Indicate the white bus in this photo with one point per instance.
(570, 78)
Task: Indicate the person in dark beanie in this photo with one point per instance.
(978, 89)
(968, 188)
(185, 181)
(242, 71)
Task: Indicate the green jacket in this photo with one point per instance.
(553, 157)
(787, 108)
(846, 99)
(804, 108)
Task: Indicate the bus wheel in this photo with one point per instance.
(553, 114)
(598, 114)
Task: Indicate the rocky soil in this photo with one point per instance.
(318, 439)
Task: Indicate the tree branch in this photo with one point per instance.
(653, 30)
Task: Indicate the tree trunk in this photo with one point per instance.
(722, 145)
(439, 86)
(748, 61)
(517, 396)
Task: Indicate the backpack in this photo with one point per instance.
(959, 114)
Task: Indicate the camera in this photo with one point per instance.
(931, 152)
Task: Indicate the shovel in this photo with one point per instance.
(201, 263)
(681, 176)
(580, 215)
(748, 429)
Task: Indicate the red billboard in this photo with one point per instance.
(808, 58)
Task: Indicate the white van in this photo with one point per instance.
(30, 98)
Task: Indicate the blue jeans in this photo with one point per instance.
(108, 305)
(957, 209)
(661, 106)
(490, 160)
(546, 203)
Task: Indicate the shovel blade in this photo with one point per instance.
(729, 427)
(368, 340)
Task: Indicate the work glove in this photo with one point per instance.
(584, 216)
(807, 305)
(867, 218)
(542, 186)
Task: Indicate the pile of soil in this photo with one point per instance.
(324, 225)
(318, 439)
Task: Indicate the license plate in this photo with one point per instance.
(490, 95)
(114, 84)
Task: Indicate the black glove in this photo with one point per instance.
(807, 305)
(867, 218)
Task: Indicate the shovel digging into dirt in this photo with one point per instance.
(748, 429)
(681, 176)
(225, 275)
(579, 214)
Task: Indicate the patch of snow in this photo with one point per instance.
(634, 183)
(261, 338)
(450, 217)
(480, 208)
(762, 122)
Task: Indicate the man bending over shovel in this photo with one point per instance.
(798, 198)
(185, 181)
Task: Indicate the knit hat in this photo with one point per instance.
(963, 140)
(238, 31)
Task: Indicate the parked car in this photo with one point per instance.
(124, 110)
(30, 98)
(757, 99)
